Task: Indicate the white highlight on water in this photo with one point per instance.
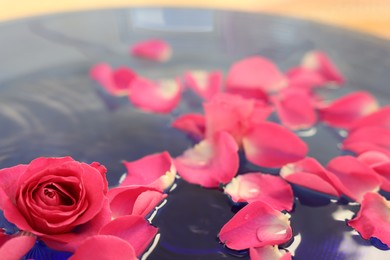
(152, 247)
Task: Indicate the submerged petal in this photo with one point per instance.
(309, 173)
(255, 73)
(271, 145)
(345, 111)
(256, 225)
(159, 97)
(210, 162)
(251, 187)
(153, 49)
(356, 178)
(373, 218)
(155, 170)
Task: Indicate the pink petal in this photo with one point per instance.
(17, 247)
(380, 163)
(373, 158)
(205, 84)
(233, 114)
(268, 253)
(158, 97)
(193, 124)
(116, 82)
(304, 78)
(310, 174)
(271, 145)
(9, 178)
(133, 229)
(320, 62)
(104, 247)
(251, 187)
(134, 200)
(153, 49)
(295, 108)
(345, 111)
(256, 225)
(356, 178)
(210, 163)
(370, 138)
(373, 218)
(380, 118)
(253, 73)
(155, 170)
(72, 240)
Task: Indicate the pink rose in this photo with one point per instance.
(60, 200)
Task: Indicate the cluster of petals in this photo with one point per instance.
(252, 187)
(373, 218)
(205, 84)
(110, 219)
(256, 225)
(231, 121)
(343, 175)
(380, 163)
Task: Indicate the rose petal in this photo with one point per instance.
(17, 247)
(271, 145)
(270, 189)
(72, 240)
(345, 111)
(104, 247)
(153, 49)
(210, 163)
(380, 163)
(255, 73)
(295, 109)
(115, 82)
(205, 84)
(233, 114)
(309, 173)
(304, 78)
(380, 118)
(155, 170)
(158, 97)
(373, 218)
(256, 225)
(373, 158)
(356, 178)
(320, 62)
(192, 124)
(9, 178)
(268, 253)
(134, 200)
(371, 138)
(133, 229)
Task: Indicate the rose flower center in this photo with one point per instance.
(53, 195)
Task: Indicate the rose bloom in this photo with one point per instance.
(60, 200)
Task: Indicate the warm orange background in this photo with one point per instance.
(372, 16)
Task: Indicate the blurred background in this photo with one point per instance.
(370, 16)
